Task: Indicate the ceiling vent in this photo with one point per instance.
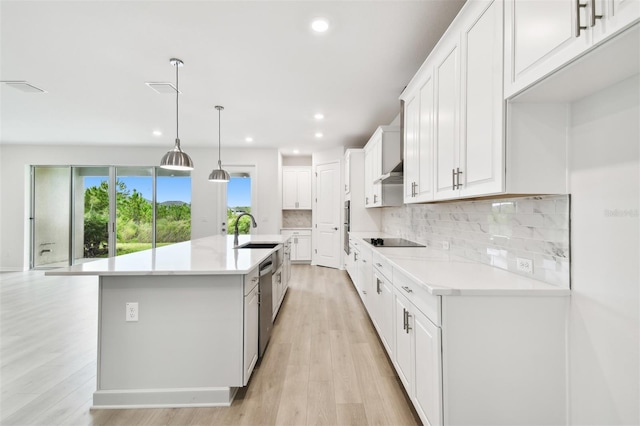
(162, 88)
(23, 86)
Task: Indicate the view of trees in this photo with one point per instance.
(245, 221)
(134, 219)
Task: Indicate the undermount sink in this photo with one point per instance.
(258, 246)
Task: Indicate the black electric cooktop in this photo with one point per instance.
(392, 242)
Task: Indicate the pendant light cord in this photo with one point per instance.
(219, 140)
(177, 105)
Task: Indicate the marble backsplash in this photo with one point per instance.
(494, 232)
(296, 218)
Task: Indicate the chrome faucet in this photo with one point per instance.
(235, 232)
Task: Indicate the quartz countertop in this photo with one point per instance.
(444, 274)
(213, 255)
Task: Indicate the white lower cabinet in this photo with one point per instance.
(300, 244)
(468, 359)
(251, 324)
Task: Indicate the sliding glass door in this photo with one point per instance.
(50, 216)
(91, 213)
(134, 209)
(79, 213)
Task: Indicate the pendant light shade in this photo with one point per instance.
(176, 159)
(219, 175)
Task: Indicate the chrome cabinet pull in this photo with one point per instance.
(594, 16)
(378, 265)
(453, 178)
(408, 328)
(366, 200)
(578, 26)
(458, 173)
(375, 198)
(404, 319)
(378, 286)
(407, 289)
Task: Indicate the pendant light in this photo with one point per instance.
(176, 159)
(219, 175)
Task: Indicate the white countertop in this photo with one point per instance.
(447, 275)
(204, 256)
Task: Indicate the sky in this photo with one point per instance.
(179, 188)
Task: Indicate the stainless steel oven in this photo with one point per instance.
(347, 225)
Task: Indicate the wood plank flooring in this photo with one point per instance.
(324, 364)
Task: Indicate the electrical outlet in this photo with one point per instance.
(445, 245)
(524, 265)
(131, 311)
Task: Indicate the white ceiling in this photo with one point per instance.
(258, 59)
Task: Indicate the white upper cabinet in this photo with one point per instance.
(418, 143)
(381, 154)
(296, 188)
(544, 35)
(482, 113)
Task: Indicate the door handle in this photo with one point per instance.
(335, 229)
(594, 16)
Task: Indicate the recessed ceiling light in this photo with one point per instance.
(248, 139)
(318, 116)
(320, 25)
(319, 135)
(157, 133)
(296, 151)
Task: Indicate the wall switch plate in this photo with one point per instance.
(445, 245)
(131, 311)
(524, 265)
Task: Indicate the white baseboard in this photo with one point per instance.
(163, 398)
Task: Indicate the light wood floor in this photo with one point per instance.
(324, 364)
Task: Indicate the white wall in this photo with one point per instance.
(14, 186)
(605, 233)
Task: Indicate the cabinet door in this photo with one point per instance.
(616, 15)
(289, 189)
(303, 247)
(411, 153)
(424, 182)
(428, 370)
(542, 35)
(347, 173)
(250, 333)
(368, 179)
(447, 95)
(304, 189)
(403, 343)
(481, 153)
(384, 312)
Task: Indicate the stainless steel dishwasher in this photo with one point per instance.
(266, 304)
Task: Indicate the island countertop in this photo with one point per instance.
(213, 255)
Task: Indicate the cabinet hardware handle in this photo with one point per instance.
(407, 289)
(404, 319)
(375, 198)
(366, 200)
(335, 229)
(578, 26)
(364, 261)
(458, 173)
(408, 328)
(594, 16)
(355, 257)
(453, 178)
(379, 265)
(364, 292)
(254, 279)
(378, 285)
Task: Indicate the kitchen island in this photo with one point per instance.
(178, 325)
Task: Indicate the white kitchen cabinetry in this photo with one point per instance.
(347, 174)
(542, 36)
(382, 301)
(300, 244)
(382, 155)
(296, 188)
(418, 142)
(469, 105)
(365, 276)
(465, 122)
(251, 325)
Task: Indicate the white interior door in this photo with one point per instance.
(328, 208)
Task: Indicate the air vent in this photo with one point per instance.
(162, 88)
(23, 86)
